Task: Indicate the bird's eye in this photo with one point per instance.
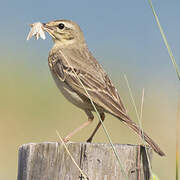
(61, 26)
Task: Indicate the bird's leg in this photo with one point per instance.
(102, 115)
(90, 119)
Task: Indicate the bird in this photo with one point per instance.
(82, 80)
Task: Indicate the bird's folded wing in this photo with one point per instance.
(97, 84)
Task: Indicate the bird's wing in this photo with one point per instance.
(75, 65)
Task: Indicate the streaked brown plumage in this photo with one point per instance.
(70, 58)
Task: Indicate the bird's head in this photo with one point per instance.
(64, 32)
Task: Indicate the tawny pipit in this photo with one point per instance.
(70, 58)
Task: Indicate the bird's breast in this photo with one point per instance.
(70, 94)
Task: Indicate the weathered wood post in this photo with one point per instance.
(50, 161)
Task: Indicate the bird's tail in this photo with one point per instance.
(143, 135)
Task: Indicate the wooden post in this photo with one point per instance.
(50, 161)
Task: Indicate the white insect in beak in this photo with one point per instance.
(37, 31)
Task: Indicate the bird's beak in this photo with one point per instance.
(46, 26)
(49, 29)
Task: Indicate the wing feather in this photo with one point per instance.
(67, 64)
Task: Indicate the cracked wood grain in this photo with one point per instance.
(50, 161)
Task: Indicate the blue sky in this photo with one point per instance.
(122, 35)
(119, 30)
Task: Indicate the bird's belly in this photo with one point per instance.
(71, 95)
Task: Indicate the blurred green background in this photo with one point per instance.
(124, 38)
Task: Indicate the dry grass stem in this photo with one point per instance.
(139, 149)
(104, 128)
(139, 117)
(80, 170)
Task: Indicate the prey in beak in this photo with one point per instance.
(37, 31)
(49, 29)
(63, 32)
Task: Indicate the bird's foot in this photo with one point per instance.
(89, 140)
(66, 140)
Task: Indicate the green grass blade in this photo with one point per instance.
(139, 118)
(73, 160)
(177, 140)
(104, 128)
(178, 74)
(165, 40)
(154, 177)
